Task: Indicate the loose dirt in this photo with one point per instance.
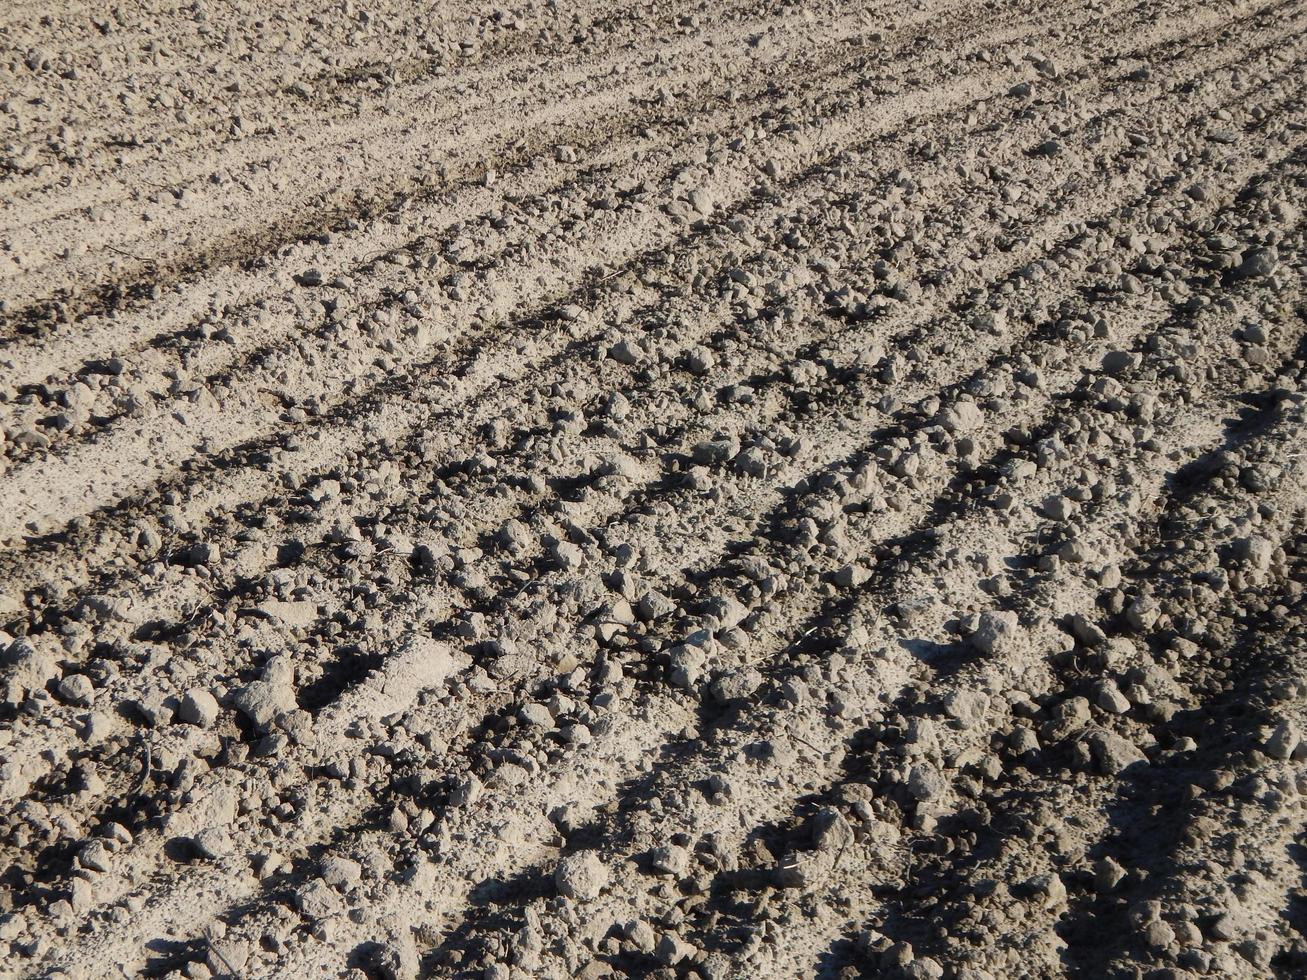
(610, 490)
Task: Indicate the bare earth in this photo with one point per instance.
(606, 490)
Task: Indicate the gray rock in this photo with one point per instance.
(199, 708)
(736, 685)
(1112, 753)
(1283, 741)
(28, 668)
(581, 876)
(996, 633)
(317, 900)
(261, 701)
(77, 689)
(1258, 263)
(672, 949)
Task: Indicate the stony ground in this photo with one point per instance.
(602, 490)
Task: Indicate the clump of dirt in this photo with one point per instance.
(589, 491)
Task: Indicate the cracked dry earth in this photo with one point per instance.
(607, 490)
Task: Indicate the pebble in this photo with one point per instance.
(581, 876)
(850, 576)
(77, 689)
(1258, 263)
(1113, 753)
(198, 707)
(736, 685)
(261, 701)
(1283, 741)
(317, 900)
(996, 633)
(672, 949)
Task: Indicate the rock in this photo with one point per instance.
(213, 843)
(153, 709)
(317, 900)
(202, 553)
(198, 707)
(672, 949)
(77, 689)
(1119, 362)
(467, 792)
(802, 870)
(831, 832)
(396, 960)
(967, 706)
(962, 417)
(1110, 699)
(1050, 889)
(1258, 263)
(1113, 753)
(1060, 508)
(1142, 614)
(626, 351)
(926, 783)
(700, 360)
(566, 556)
(850, 576)
(1283, 741)
(1107, 875)
(581, 876)
(670, 859)
(340, 873)
(261, 701)
(1253, 551)
(996, 633)
(536, 715)
(227, 958)
(736, 685)
(1087, 632)
(28, 669)
(687, 661)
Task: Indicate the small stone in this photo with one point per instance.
(201, 553)
(28, 668)
(227, 958)
(1283, 741)
(341, 873)
(962, 417)
(77, 689)
(736, 685)
(1142, 614)
(396, 960)
(261, 701)
(1258, 263)
(213, 843)
(996, 633)
(567, 556)
(926, 783)
(581, 876)
(850, 576)
(199, 708)
(670, 859)
(672, 949)
(1119, 362)
(316, 900)
(467, 792)
(1107, 875)
(1051, 889)
(1110, 699)
(626, 352)
(1113, 753)
(536, 715)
